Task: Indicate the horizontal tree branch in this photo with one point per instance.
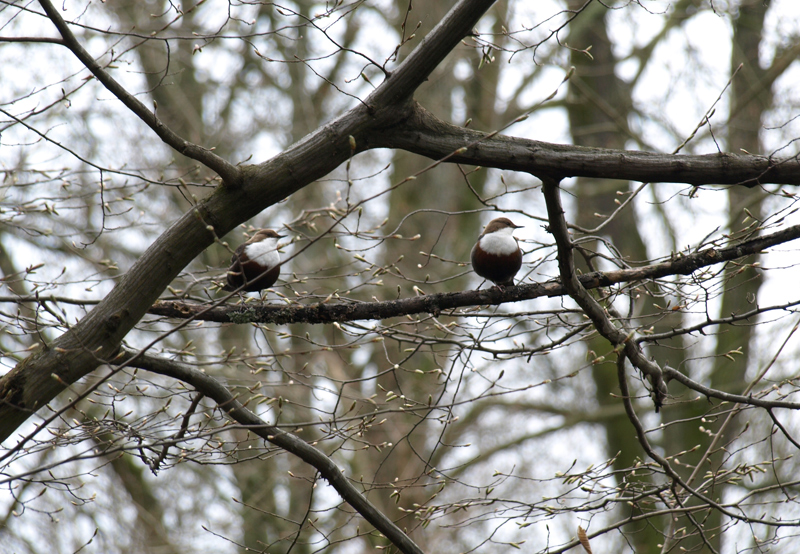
(327, 312)
(425, 134)
(40, 40)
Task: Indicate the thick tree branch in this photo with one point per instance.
(31, 384)
(425, 134)
(223, 168)
(682, 264)
(227, 402)
(433, 49)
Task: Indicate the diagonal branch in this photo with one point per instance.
(250, 190)
(229, 172)
(596, 313)
(228, 403)
(430, 52)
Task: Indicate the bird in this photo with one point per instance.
(496, 256)
(256, 264)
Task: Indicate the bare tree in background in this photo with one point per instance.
(634, 392)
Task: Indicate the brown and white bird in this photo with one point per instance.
(256, 264)
(496, 256)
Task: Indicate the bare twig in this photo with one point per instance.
(229, 172)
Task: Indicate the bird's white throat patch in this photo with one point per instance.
(499, 243)
(264, 252)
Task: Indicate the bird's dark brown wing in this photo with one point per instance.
(235, 276)
(238, 252)
(249, 275)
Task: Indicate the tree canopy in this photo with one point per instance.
(634, 391)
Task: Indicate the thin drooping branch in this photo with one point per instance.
(329, 312)
(425, 134)
(641, 435)
(681, 486)
(229, 172)
(234, 409)
(596, 313)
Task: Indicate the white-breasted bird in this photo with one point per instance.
(497, 256)
(256, 264)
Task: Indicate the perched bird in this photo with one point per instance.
(256, 264)
(496, 256)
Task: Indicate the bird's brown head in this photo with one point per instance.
(263, 234)
(498, 224)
